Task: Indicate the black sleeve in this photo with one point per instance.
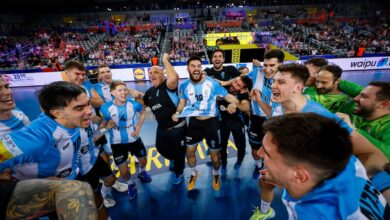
(207, 70)
(234, 71)
(166, 87)
(243, 96)
(146, 98)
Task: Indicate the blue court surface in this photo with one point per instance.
(161, 200)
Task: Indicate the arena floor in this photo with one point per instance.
(161, 200)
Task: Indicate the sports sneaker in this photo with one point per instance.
(258, 215)
(216, 183)
(256, 173)
(120, 187)
(172, 165)
(192, 181)
(178, 179)
(145, 177)
(132, 191)
(108, 201)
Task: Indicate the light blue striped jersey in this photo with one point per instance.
(16, 122)
(349, 195)
(103, 90)
(88, 151)
(263, 84)
(276, 109)
(124, 117)
(315, 107)
(87, 85)
(43, 149)
(201, 97)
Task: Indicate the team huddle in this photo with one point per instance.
(323, 140)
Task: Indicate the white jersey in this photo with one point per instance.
(43, 149)
(16, 122)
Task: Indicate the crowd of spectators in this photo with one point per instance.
(22, 48)
(184, 44)
(46, 49)
(347, 37)
(221, 29)
(327, 34)
(125, 48)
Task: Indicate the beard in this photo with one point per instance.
(218, 66)
(324, 90)
(364, 111)
(193, 79)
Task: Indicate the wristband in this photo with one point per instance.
(103, 130)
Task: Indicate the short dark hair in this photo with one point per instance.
(247, 81)
(384, 91)
(218, 50)
(275, 53)
(101, 66)
(335, 70)
(242, 67)
(298, 71)
(57, 95)
(317, 61)
(312, 139)
(192, 58)
(116, 83)
(74, 64)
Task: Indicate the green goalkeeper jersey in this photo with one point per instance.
(336, 102)
(376, 131)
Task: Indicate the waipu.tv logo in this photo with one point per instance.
(382, 62)
(371, 63)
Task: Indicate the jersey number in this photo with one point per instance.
(199, 98)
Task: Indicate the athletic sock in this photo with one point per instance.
(264, 206)
(194, 171)
(105, 190)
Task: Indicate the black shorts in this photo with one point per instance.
(255, 131)
(199, 129)
(120, 152)
(6, 190)
(100, 143)
(99, 170)
(171, 142)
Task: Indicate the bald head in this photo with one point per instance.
(156, 75)
(155, 68)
